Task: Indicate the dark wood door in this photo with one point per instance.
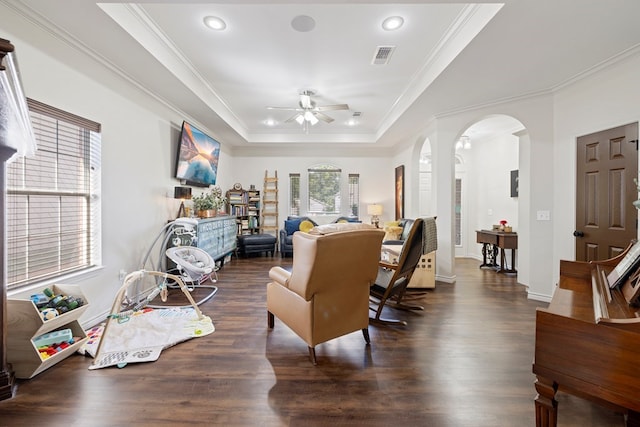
(606, 220)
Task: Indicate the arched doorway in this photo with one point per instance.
(487, 156)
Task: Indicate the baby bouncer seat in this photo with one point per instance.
(194, 265)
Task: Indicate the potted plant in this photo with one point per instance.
(207, 204)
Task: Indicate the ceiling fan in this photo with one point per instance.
(309, 112)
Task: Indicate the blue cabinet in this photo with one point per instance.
(217, 236)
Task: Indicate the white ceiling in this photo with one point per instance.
(448, 56)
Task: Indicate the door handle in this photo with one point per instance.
(578, 233)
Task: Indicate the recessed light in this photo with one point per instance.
(392, 23)
(270, 122)
(352, 122)
(215, 23)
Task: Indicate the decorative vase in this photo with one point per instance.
(208, 213)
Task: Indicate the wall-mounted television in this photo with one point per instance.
(198, 155)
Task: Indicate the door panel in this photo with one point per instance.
(607, 163)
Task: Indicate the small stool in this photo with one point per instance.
(256, 243)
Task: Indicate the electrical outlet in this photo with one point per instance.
(121, 275)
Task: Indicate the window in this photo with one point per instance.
(354, 194)
(324, 190)
(294, 194)
(458, 212)
(53, 199)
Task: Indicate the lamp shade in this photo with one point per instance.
(374, 209)
(182, 192)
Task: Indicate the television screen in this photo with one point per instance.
(198, 155)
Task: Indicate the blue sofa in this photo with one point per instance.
(291, 225)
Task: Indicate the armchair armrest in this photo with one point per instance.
(386, 264)
(393, 242)
(280, 276)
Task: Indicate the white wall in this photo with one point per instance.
(376, 185)
(536, 115)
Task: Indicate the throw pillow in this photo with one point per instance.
(337, 227)
(392, 233)
(306, 225)
(291, 226)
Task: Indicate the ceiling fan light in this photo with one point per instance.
(214, 23)
(392, 23)
(300, 119)
(312, 119)
(308, 115)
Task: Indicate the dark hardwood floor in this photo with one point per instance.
(464, 361)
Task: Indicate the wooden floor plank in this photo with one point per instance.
(464, 361)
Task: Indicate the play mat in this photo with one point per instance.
(140, 335)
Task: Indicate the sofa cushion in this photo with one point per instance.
(292, 225)
(340, 226)
(392, 233)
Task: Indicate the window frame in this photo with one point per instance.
(66, 180)
(325, 169)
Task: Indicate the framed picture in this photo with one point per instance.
(625, 267)
(400, 192)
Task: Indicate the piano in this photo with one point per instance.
(587, 343)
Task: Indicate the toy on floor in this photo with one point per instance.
(51, 305)
(53, 342)
(138, 334)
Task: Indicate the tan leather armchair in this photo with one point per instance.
(326, 294)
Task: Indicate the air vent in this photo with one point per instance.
(382, 55)
(357, 113)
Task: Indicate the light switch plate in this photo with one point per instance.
(543, 215)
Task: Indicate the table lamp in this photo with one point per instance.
(375, 210)
(182, 193)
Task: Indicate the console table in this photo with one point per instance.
(494, 242)
(216, 236)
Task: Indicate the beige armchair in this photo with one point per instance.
(326, 294)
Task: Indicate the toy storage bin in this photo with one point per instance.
(25, 323)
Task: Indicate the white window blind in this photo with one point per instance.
(354, 193)
(294, 194)
(53, 199)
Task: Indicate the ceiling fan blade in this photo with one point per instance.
(323, 117)
(292, 118)
(284, 108)
(332, 107)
